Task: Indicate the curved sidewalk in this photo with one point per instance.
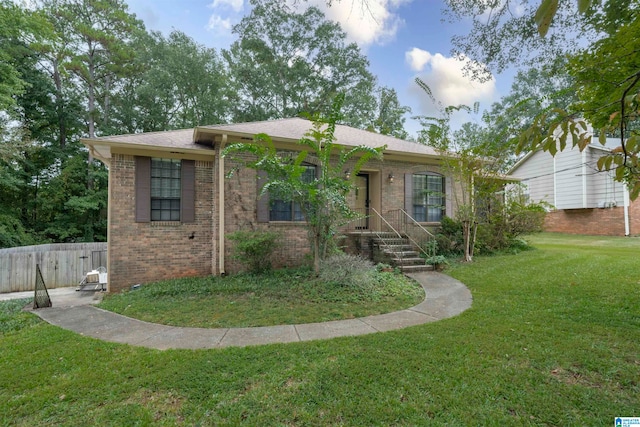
(445, 297)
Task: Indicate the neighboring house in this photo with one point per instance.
(583, 199)
(171, 202)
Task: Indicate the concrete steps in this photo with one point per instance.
(401, 253)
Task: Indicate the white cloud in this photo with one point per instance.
(218, 24)
(447, 81)
(365, 21)
(236, 5)
(417, 58)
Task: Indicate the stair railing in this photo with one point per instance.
(412, 230)
(378, 233)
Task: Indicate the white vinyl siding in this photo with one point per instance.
(571, 180)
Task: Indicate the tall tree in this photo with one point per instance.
(533, 92)
(607, 76)
(286, 63)
(504, 34)
(390, 118)
(97, 33)
(183, 84)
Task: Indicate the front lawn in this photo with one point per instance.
(274, 298)
(552, 339)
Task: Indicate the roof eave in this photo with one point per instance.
(92, 144)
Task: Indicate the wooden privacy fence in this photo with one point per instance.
(62, 264)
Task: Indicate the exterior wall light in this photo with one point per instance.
(391, 178)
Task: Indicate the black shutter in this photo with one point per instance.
(262, 208)
(187, 196)
(143, 189)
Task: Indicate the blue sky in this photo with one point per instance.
(403, 39)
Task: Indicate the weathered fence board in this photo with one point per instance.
(62, 264)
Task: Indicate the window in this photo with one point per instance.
(280, 210)
(165, 189)
(428, 197)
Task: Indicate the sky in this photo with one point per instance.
(403, 39)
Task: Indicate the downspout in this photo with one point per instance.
(221, 226)
(109, 216)
(555, 185)
(625, 195)
(584, 178)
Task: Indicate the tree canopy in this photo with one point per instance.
(84, 68)
(594, 44)
(285, 63)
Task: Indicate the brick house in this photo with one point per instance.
(171, 202)
(584, 200)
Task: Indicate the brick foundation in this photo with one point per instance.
(593, 221)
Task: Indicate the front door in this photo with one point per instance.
(362, 199)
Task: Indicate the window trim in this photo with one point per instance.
(265, 203)
(166, 205)
(409, 195)
(142, 186)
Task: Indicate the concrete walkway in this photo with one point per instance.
(445, 297)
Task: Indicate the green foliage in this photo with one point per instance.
(608, 77)
(347, 270)
(433, 255)
(450, 239)
(178, 78)
(500, 37)
(390, 114)
(552, 349)
(284, 296)
(285, 63)
(323, 200)
(254, 248)
(12, 232)
(603, 75)
(500, 228)
(13, 319)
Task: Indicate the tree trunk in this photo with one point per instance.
(107, 84)
(92, 108)
(316, 255)
(62, 127)
(466, 231)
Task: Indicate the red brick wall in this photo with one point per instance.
(146, 252)
(634, 218)
(240, 209)
(598, 222)
(241, 192)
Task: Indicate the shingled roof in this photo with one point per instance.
(293, 129)
(283, 130)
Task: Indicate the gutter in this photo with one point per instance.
(221, 225)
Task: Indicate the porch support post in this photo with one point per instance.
(221, 230)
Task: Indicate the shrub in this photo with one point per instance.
(346, 270)
(449, 240)
(254, 248)
(499, 229)
(365, 281)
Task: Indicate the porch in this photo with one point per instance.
(394, 238)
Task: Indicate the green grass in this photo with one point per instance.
(552, 339)
(275, 298)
